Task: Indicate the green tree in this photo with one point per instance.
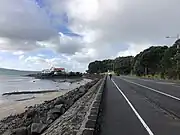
(123, 65)
(149, 61)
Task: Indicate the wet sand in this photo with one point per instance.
(11, 107)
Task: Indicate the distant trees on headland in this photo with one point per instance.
(156, 60)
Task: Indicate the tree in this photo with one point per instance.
(123, 65)
(149, 61)
(161, 60)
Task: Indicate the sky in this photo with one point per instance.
(38, 34)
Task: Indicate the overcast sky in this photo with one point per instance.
(37, 34)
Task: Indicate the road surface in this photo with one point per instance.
(134, 106)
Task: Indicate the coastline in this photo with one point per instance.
(26, 99)
(36, 119)
(13, 108)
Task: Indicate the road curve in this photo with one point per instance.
(133, 106)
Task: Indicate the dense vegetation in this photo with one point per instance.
(159, 61)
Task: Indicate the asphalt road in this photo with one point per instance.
(133, 106)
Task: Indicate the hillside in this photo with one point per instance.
(162, 61)
(4, 71)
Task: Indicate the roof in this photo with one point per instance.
(59, 68)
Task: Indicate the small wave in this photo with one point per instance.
(23, 99)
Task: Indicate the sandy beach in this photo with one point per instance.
(12, 107)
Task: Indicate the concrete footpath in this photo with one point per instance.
(128, 110)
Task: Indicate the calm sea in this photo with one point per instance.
(9, 83)
(15, 82)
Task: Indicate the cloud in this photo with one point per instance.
(39, 63)
(41, 55)
(22, 19)
(18, 53)
(21, 57)
(113, 26)
(104, 28)
(23, 23)
(7, 44)
(64, 44)
(85, 56)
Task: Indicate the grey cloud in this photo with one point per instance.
(65, 44)
(118, 25)
(69, 49)
(22, 19)
(135, 22)
(15, 44)
(142, 22)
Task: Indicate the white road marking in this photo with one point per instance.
(155, 81)
(134, 110)
(147, 80)
(168, 83)
(176, 86)
(162, 93)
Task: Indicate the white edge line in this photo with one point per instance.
(134, 110)
(162, 93)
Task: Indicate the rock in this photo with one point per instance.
(82, 89)
(59, 100)
(52, 117)
(43, 113)
(55, 111)
(49, 121)
(8, 132)
(53, 114)
(70, 103)
(61, 108)
(37, 128)
(30, 113)
(50, 106)
(29, 130)
(18, 131)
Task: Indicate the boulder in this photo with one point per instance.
(8, 132)
(61, 108)
(59, 100)
(82, 89)
(55, 111)
(37, 128)
(30, 113)
(53, 114)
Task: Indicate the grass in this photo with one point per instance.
(156, 76)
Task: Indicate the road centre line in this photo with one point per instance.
(134, 110)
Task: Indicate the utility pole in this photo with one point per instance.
(177, 54)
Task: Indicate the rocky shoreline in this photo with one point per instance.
(51, 75)
(72, 121)
(39, 117)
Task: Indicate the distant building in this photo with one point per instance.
(57, 69)
(53, 69)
